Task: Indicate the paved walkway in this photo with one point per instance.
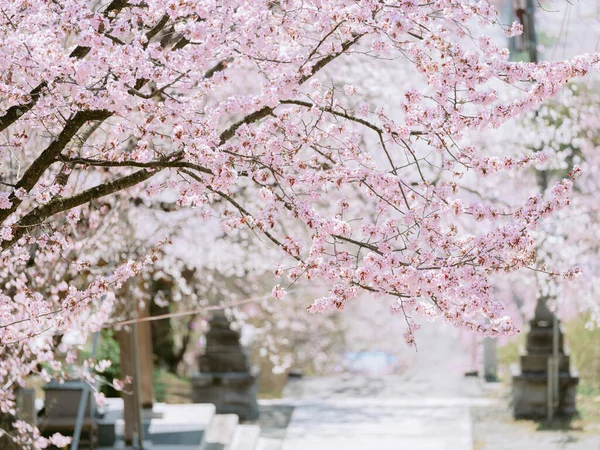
(353, 424)
(430, 406)
(426, 407)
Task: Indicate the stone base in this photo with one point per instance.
(539, 363)
(231, 392)
(166, 425)
(530, 391)
(61, 406)
(62, 399)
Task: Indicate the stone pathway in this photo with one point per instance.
(427, 407)
(430, 406)
(436, 370)
(353, 424)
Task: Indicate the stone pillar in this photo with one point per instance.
(26, 406)
(530, 387)
(490, 359)
(225, 377)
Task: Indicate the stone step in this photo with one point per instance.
(267, 443)
(148, 445)
(245, 437)
(219, 434)
(178, 426)
(356, 424)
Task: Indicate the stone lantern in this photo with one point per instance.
(225, 378)
(530, 387)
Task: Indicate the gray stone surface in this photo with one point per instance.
(26, 409)
(245, 437)
(61, 404)
(426, 407)
(274, 418)
(171, 426)
(266, 443)
(231, 392)
(62, 399)
(424, 423)
(221, 431)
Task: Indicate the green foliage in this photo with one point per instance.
(516, 56)
(108, 348)
(170, 388)
(163, 332)
(160, 387)
(508, 355)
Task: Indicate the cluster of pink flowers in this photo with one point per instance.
(241, 109)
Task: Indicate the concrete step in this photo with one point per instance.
(245, 437)
(148, 445)
(177, 426)
(219, 434)
(267, 443)
(385, 424)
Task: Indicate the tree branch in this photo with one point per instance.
(267, 110)
(41, 213)
(130, 163)
(13, 113)
(35, 171)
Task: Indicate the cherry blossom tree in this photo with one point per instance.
(565, 129)
(242, 111)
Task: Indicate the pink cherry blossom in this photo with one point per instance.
(336, 139)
